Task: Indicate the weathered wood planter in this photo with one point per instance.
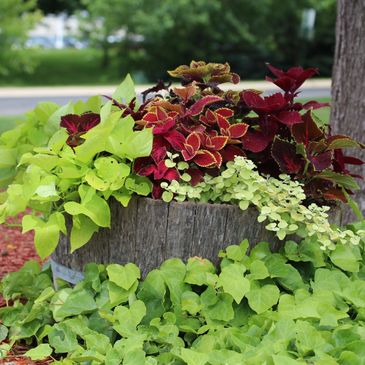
(149, 231)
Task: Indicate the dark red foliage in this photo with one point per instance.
(206, 127)
(77, 125)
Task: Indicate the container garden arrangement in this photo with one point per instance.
(185, 172)
(182, 173)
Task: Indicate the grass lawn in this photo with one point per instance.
(66, 67)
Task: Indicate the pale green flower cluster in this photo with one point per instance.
(279, 202)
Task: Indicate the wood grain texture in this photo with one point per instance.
(149, 231)
(348, 84)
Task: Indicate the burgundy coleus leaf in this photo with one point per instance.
(264, 105)
(191, 146)
(176, 139)
(256, 141)
(284, 153)
(314, 105)
(230, 152)
(79, 123)
(291, 80)
(159, 149)
(233, 131)
(307, 130)
(163, 127)
(199, 105)
(157, 191)
(197, 175)
(340, 161)
(205, 158)
(289, 118)
(209, 118)
(321, 161)
(214, 143)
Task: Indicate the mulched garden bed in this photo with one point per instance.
(15, 249)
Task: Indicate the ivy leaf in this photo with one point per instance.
(66, 304)
(262, 299)
(200, 272)
(63, 339)
(233, 282)
(221, 309)
(344, 258)
(124, 276)
(3, 333)
(192, 357)
(40, 352)
(258, 270)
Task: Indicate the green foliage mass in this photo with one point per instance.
(53, 180)
(279, 201)
(298, 306)
(17, 17)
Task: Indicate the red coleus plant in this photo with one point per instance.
(204, 127)
(77, 125)
(208, 127)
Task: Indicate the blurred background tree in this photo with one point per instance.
(17, 17)
(148, 37)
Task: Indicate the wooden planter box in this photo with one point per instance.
(149, 231)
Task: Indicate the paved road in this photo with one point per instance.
(18, 102)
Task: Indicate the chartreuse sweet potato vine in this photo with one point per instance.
(55, 174)
(300, 306)
(279, 201)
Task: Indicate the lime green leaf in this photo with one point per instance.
(125, 92)
(258, 270)
(47, 234)
(139, 144)
(92, 205)
(40, 352)
(8, 157)
(262, 299)
(192, 357)
(286, 360)
(344, 257)
(82, 230)
(233, 282)
(124, 276)
(139, 185)
(190, 302)
(200, 272)
(135, 357)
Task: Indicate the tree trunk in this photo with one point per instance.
(149, 231)
(348, 83)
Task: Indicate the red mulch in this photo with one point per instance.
(15, 249)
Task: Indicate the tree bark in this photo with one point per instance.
(348, 83)
(149, 231)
